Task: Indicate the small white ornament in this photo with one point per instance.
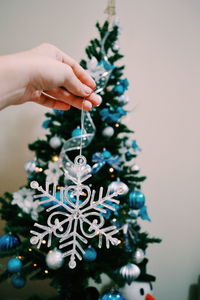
(95, 69)
(79, 220)
(55, 142)
(128, 143)
(135, 168)
(115, 47)
(138, 256)
(30, 166)
(123, 99)
(116, 185)
(53, 172)
(54, 259)
(108, 131)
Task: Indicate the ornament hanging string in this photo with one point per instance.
(82, 127)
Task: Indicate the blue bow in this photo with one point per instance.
(107, 66)
(135, 146)
(108, 116)
(101, 160)
(121, 87)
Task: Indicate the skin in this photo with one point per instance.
(47, 76)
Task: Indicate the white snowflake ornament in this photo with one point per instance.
(53, 172)
(81, 216)
(25, 200)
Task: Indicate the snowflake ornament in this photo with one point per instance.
(53, 172)
(24, 199)
(78, 220)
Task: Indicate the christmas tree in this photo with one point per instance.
(50, 210)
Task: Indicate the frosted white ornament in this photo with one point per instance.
(135, 168)
(115, 47)
(128, 143)
(55, 142)
(30, 166)
(138, 256)
(123, 99)
(108, 131)
(54, 259)
(79, 220)
(116, 185)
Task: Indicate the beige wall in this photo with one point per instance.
(161, 44)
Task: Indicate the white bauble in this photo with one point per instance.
(135, 168)
(54, 259)
(123, 99)
(128, 143)
(30, 166)
(118, 185)
(115, 47)
(108, 131)
(136, 290)
(138, 256)
(55, 142)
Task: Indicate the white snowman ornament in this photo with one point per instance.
(138, 290)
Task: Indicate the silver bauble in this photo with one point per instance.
(54, 259)
(138, 256)
(115, 47)
(30, 166)
(135, 168)
(108, 131)
(118, 185)
(130, 272)
(55, 142)
(128, 143)
(123, 99)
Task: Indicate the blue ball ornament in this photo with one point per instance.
(112, 295)
(136, 199)
(77, 132)
(14, 265)
(90, 254)
(18, 281)
(106, 154)
(8, 241)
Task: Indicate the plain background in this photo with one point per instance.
(161, 43)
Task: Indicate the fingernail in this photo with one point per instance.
(99, 100)
(87, 89)
(87, 104)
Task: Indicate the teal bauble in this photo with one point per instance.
(14, 265)
(76, 132)
(90, 254)
(18, 281)
(112, 295)
(136, 199)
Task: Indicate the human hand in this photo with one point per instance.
(47, 76)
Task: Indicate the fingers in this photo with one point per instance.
(82, 75)
(53, 52)
(65, 96)
(50, 102)
(74, 85)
